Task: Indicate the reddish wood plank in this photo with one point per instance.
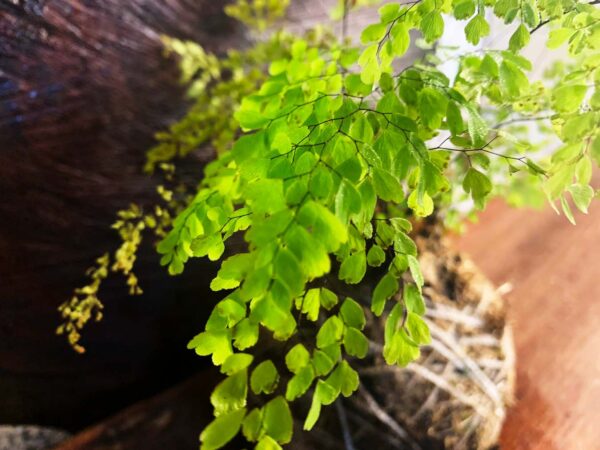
(555, 309)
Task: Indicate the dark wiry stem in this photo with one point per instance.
(348, 443)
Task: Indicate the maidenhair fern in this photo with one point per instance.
(327, 155)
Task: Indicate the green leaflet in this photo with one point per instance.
(313, 413)
(266, 196)
(415, 270)
(300, 382)
(230, 394)
(264, 377)
(595, 149)
(326, 393)
(417, 329)
(277, 420)
(355, 342)
(477, 28)
(250, 120)
(400, 349)
(322, 362)
(387, 187)
(519, 39)
(371, 71)
(231, 310)
(328, 298)
(400, 38)
(343, 380)
(389, 12)
(432, 107)
(236, 362)
(355, 86)
(326, 227)
(373, 33)
(512, 79)
(217, 344)
(297, 358)
(464, 9)
(361, 129)
(558, 37)
(478, 185)
(252, 425)
(352, 314)
(413, 299)
(330, 332)
(245, 334)
(276, 317)
(477, 127)
(221, 430)
(353, 268)
(404, 244)
(582, 196)
(375, 256)
(321, 183)
(347, 201)
(309, 252)
(267, 443)
(568, 98)
(385, 289)
(422, 207)
(311, 304)
(432, 26)
(454, 119)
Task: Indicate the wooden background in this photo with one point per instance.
(83, 87)
(555, 309)
(68, 105)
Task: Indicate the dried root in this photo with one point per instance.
(455, 397)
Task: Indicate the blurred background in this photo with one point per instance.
(83, 86)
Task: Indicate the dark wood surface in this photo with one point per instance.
(554, 270)
(171, 420)
(83, 87)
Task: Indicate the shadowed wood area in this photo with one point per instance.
(83, 87)
(554, 306)
(171, 420)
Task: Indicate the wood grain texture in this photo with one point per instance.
(554, 305)
(84, 85)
